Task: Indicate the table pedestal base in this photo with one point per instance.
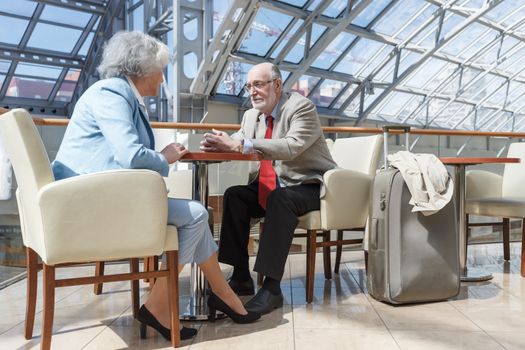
(473, 274)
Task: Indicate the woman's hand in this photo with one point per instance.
(173, 152)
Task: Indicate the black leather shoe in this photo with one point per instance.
(242, 287)
(264, 302)
(215, 303)
(147, 319)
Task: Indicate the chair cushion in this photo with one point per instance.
(507, 207)
(310, 221)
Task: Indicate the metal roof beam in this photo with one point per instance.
(90, 6)
(225, 41)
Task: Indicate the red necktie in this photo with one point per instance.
(267, 180)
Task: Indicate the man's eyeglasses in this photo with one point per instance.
(257, 85)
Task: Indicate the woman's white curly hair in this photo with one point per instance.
(133, 54)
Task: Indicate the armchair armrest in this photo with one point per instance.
(124, 214)
(482, 183)
(345, 204)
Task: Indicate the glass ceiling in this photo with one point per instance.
(429, 63)
(434, 63)
(43, 52)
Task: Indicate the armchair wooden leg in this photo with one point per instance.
(506, 239)
(151, 263)
(99, 271)
(173, 295)
(327, 262)
(523, 248)
(135, 296)
(338, 252)
(310, 264)
(32, 284)
(49, 307)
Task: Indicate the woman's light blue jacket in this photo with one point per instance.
(108, 130)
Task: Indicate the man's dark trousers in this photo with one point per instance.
(284, 206)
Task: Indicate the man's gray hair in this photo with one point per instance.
(133, 54)
(276, 72)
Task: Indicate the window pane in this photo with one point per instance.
(30, 88)
(72, 75)
(370, 12)
(360, 55)
(4, 66)
(298, 3)
(220, 8)
(333, 50)
(305, 84)
(400, 14)
(327, 92)
(18, 7)
(65, 16)
(335, 8)
(38, 70)
(264, 31)
(137, 19)
(65, 92)
(2, 79)
(292, 31)
(16, 30)
(55, 38)
(232, 83)
(87, 44)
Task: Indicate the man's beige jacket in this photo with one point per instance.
(298, 148)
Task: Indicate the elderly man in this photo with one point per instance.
(285, 130)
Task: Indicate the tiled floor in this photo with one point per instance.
(484, 316)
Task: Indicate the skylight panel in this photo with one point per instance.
(47, 36)
(326, 92)
(398, 16)
(16, 26)
(305, 84)
(18, 7)
(38, 70)
(333, 51)
(370, 12)
(292, 31)
(4, 66)
(358, 56)
(297, 3)
(65, 93)
(30, 88)
(65, 16)
(234, 78)
(264, 31)
(335, 8)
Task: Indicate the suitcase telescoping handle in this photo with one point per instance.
(386, 130)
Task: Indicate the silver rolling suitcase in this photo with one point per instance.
(411, 257)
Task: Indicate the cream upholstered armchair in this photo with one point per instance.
(97, 217)
(489, 194)
(345, 205)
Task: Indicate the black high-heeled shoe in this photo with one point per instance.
(215, 303)
(147, 319)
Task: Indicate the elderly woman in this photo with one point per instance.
(109, 129)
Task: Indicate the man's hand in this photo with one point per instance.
(173, 152)
(218, 141)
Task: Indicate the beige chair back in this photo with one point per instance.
(514, 174)
(358, 153)
(329, 143)
(31, 167)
